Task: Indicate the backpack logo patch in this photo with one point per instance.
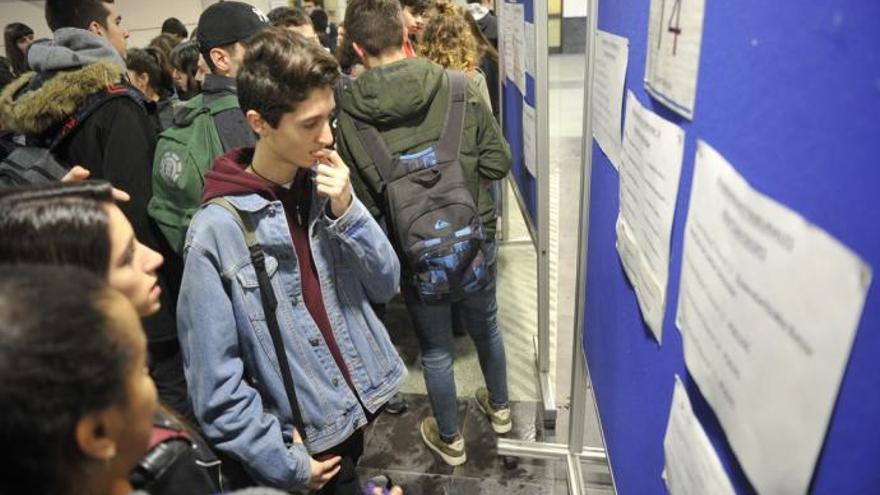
(170, 167)
(441, 224)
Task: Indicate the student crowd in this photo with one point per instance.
(196, 305)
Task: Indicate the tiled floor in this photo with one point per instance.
(394, 447)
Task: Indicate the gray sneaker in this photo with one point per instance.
(499, 418)
(396, 405)
(451, 453)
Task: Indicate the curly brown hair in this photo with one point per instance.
(447, 39)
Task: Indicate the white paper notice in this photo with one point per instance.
(692, 466)
(530, 128)
(507, 38)
(675, 34)
(612, 53)
(518, 40)
(768, 308)
(531, 52)
(649, 174)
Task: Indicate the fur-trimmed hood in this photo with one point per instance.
(35, 112)
(72, 66)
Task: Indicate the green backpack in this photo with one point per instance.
(184, 154)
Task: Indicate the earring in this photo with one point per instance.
(108, 460)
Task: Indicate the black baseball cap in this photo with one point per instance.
(227, 22)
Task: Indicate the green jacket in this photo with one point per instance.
(406, 101)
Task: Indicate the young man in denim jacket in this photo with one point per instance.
(326, 259)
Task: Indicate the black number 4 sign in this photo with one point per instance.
(673, 25)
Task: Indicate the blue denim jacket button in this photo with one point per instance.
(315, 341)
(336, 382)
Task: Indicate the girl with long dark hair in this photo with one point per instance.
(188, 69)
(18, 38)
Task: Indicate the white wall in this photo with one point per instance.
(574, 8)
(142, 18)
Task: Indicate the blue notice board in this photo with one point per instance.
(512, 104)
(789, 93)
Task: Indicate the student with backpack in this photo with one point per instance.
(423, 145)
(80, 73)
(285, 358)
(208, 124)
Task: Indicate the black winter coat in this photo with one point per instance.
(115, 143)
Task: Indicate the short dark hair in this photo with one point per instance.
(320, 20)
(417, 6)
(76, 13)
(375, 25)
(62, 356)
(346, 55)
(279, 71)
(173, 25)
(288, 17)
(60, 223)
(11, 34)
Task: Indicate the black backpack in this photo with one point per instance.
(432, 215)
(37, 164)
(177, 461)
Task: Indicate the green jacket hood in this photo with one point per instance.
(34, 112)
(416, 80)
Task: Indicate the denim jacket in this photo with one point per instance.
(231, 368)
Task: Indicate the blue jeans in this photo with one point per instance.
(433, 327)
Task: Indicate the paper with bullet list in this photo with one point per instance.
(612, 53)
(650, 169)
(768, 309)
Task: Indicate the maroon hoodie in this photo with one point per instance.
(229, 178)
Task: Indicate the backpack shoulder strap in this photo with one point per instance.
(449, 145)
(92, 104)
(227, 130)
(191, 109)
(369, 136)
(372, 141)
(270, 304)
(244, 223)
(199, 105)
(222, 104)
